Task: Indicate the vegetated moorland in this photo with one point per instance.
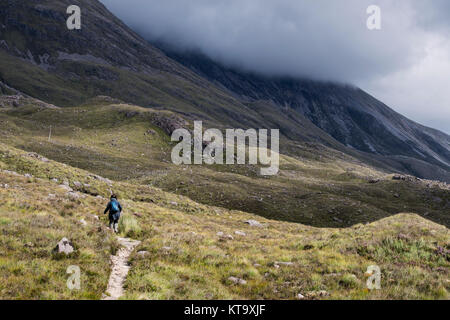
(324, 219)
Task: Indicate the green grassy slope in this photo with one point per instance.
(319, 187)
(183, 255)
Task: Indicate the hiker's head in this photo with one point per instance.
(113, 196)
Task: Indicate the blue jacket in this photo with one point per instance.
(109, 207)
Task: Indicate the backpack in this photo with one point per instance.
(114, 206)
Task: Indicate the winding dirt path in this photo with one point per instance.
(120, 269)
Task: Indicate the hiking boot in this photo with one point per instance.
(116, 227)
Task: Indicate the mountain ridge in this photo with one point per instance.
(66, 68)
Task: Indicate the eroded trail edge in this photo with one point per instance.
(120, 269)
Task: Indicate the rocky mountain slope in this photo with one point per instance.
(43, 59)
(348, 114)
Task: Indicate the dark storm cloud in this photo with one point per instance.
(320, 39)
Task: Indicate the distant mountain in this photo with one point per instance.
(40, 57)
(348, 114)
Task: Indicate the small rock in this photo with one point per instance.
(286, 264)
(11, 173)
(300, 296)
(240, 233)
(253, 223)
(166, 248)
(83, 222)
(73, 195)
(27, 175)
(64, 246)
(77, 184)
(142, 254)
(224, 237)
(54, 180)
(174, 203)
(237, 280)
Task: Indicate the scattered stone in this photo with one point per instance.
(143, 254)
(11, 172)
(373, 181)
(224, 237)
(73, 195)
(83, 222)
(27, 175)
(167, 248)
(64, 246)
(37, 156)
(300, 296)
(257, 265)
(174, 203)
(253, 223)
(99, 178)
(286, 264)
(337, 219)
(237, 280)
(396, 195)
(240, 233)
(77, 184)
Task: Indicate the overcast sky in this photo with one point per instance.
(406, 64)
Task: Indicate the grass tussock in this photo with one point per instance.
(129, 226)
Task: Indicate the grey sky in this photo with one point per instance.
(406, 64)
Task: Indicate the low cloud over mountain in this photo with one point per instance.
(325, 40)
